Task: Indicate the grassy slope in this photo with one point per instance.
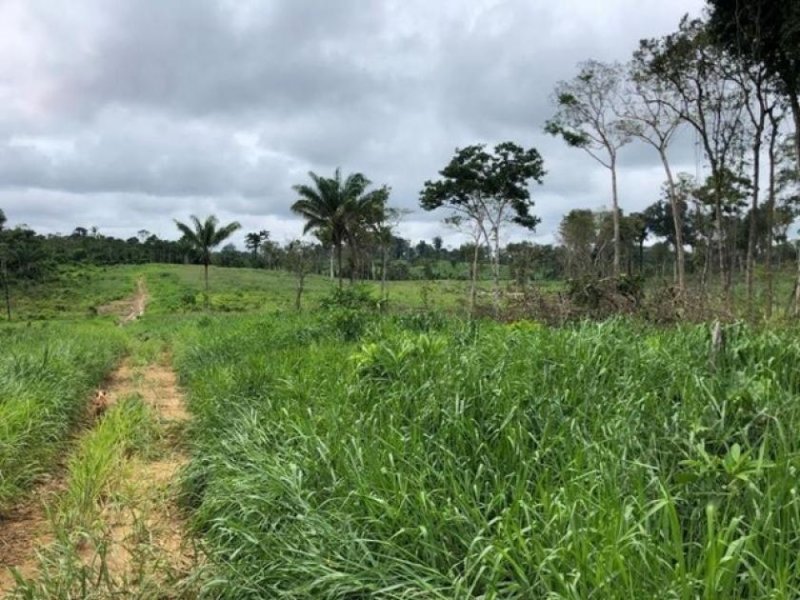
(179, 288)
(75, 293)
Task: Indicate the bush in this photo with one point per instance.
(355, 297)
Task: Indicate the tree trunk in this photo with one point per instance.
(205, 270)
(615, 216)
(333, 275)
(473, 290)
(752, 230)
(723, 275)
(339, 262)
(496, 270)
(354, 262)
(641, 256)
(680, 260)
(300, 283)
(770, 216)
(384, 261)
(795, 104)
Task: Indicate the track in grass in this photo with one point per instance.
(113, 506)
(108, 518)
(128, 309)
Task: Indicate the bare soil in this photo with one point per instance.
(128, 309)
(150, 514)
(22, 531)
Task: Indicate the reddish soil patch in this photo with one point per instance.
(22, 531)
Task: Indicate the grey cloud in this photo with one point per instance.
(137, 111)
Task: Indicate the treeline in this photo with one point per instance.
(732, 81)
(30, 256)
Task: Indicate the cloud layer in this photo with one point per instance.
(126, 114)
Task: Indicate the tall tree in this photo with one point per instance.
(761, 104)
(588, 118)
(204, 236)
(490, 188)
(334, 208)
(650, 117)
(252, 241)
(697, 74)
(766, 32)
(2, 219)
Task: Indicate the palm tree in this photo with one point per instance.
(336, 209)
(205, 236)
(252, 242)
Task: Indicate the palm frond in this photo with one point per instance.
(223, 233)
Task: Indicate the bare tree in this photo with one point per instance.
(587, 118)
(758, 91)
(649, 116)
(703, 94)
(301, 258)
(473, 227)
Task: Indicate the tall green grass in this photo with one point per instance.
(47, 374)
(485, 461)
(99, 459)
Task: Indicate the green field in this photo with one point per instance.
(344, 452)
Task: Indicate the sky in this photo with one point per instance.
(125, 115)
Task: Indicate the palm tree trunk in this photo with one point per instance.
(205, 269)
(339, 261)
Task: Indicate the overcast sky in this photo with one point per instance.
(125, 114)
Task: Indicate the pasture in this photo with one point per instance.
(344, 452)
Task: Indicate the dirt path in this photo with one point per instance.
(128, 309)
(148, 521)
(148, 514)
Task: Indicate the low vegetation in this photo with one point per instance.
(46, 375)
(438, 459)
